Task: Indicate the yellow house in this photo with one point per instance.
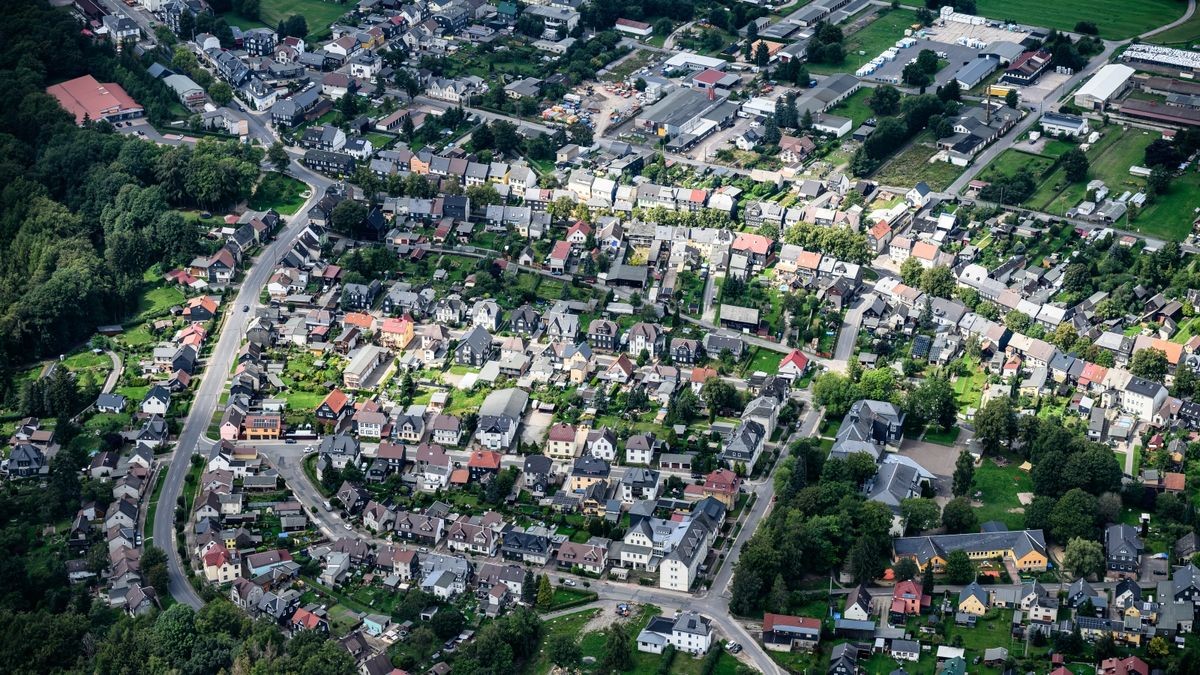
(973, 599)
(396, 333)
(1026, 549)
(580, 367)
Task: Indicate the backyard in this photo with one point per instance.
(1115, 19)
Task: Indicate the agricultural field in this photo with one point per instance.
(867, 43)
(1116, 19)
(1183, 36)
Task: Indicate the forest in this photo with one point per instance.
(85, 211)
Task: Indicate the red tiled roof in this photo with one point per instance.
(754, 243)
(797, 358)
(630, 23)
(561, 250)
(709, 77)
(484, 459)
(561, 432)
(1175, 482)
(770, 621)
(336, 400)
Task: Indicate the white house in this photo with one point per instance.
(688, 632)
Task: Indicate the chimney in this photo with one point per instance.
(712, 92)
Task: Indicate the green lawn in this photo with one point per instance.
(875, 37)
(1116, 19)
(969, 388)
(565, 596)
(913, 166)
(855, 107)
(1170, 215)
(1011, 161)
(157, 299)
(999, 487)
(766, 360)
(948, 437)
(137, 336)
(569, 624)
(152, 509)
(303, 400)
(279, 192)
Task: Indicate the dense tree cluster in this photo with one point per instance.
(915, 114)
(84, 211)
(827, 45)
(842, 243)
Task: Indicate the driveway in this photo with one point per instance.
(536, 424)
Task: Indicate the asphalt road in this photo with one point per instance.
(110, 382)
(191, 438)
(848, 334)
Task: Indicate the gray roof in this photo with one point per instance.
(924, 548)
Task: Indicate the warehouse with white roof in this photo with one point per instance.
(1106, 85)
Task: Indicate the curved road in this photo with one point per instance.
(191, 438)
(1191, 9)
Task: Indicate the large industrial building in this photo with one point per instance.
(85, 98)
(1105, 86)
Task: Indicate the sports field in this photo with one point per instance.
(1116, 19)
(317, 13)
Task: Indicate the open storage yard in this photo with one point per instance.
(1116, 19)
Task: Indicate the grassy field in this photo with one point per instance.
(766, 360)
(875, 37)
(999, 487)
(570, 624)
(637, 60)
(1116, 19)
(1169, 217)
(855, 107)
(1011, 161)
(318, 14)
(1183, 36)
(303, 400)
(158, 299)
(947, 437)
(1171, 214)
(969, 389)
(279, 192)
(912, 166)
